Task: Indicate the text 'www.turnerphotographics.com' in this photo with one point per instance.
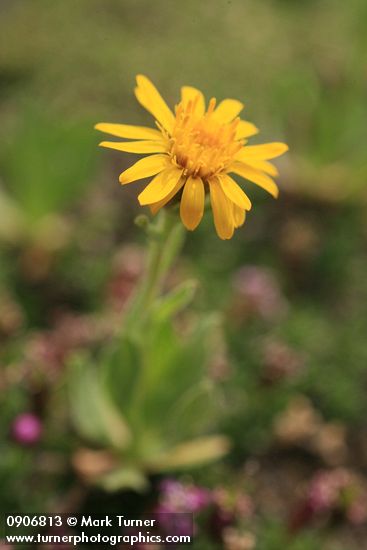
(98, 530)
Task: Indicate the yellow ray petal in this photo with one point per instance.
(192, 203)
(234, 192)
(138, 147)
(228, 109)
(264, 166)
(149, 97)
(160, 186)
(144, 168)
(188, 93)
(239, 216)
(154, 208)
(264, 151)
(128, 131)
(255, 176)
(246, 129)
(222, 210)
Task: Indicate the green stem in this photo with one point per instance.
(165, 240)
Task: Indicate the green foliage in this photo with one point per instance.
(273, 536)
(148, 398)
(94, 415)
(46, 165)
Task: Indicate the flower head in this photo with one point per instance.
(192, 152)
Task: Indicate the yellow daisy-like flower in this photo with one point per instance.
(192, 152)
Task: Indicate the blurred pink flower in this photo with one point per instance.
(257, 293)
(324, 490)
(47, 351)
(329, 491)
(177, 502)
(357, 511)
(179, 497)
(26, 429)
(280, 361)
(230, 506)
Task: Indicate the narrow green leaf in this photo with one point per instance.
(175, 301)
(192, 453)
(124, 478)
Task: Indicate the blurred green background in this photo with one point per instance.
(290, 289)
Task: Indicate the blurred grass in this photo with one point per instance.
(297, 65)
(86, 55)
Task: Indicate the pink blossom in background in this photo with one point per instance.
(26, 429)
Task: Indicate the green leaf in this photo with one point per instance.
(192, 453)
(120, 371)
(93, 414)
(124, 478)
(195, 412)
(175, 301)
(175, 366)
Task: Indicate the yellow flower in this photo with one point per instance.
(192, 152)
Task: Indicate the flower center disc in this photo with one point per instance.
(202, 145)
